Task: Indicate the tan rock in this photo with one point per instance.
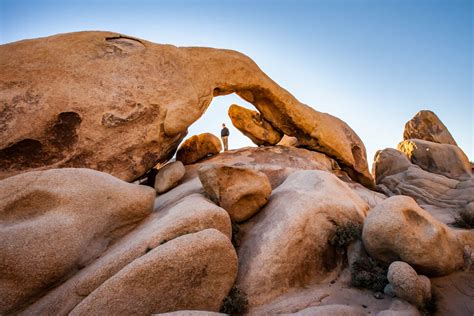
(254, 126)
(190, 214)
(241, 191)
(275, 162)
(408, 285)
(169, 176)
(426, 125)
(443, 197)
(198, 147)
(447, 160)
(286, 245)
(55, 222)
(289, 141)
(89, 87)
(194, 271)
(399, 230)
(388, 162)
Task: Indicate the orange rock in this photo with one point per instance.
(198, 147)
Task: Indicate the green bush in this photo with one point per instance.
(465, 219)
(236, 302)
(344, 235)
(370, 274)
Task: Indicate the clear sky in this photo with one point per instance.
(372, 63)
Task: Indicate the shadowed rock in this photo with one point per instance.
(96, 90)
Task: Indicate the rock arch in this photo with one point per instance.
(136, 100)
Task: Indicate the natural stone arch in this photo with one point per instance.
(135, 100)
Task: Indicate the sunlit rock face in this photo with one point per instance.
(254, 126)
(426, 125)
(119, 104)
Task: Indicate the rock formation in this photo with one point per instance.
(447, 160)
(289, 229)
(254, 126)
(169, 176)
(425, 125)
(195, 271)
(407, 284)
(198, 147)
(89, 87)
(398, 229)
(55, 222)
(297, 223)
(240, 191)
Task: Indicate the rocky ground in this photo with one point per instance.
(295, 226)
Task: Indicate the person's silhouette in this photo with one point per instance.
(225, 137)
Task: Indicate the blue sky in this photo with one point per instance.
(372, 63)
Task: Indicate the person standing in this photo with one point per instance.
(225, 137)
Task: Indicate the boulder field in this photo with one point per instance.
(296, 228)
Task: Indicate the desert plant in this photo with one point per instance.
(369, 273)
(464, 219)
(236, 302)
(345, 234)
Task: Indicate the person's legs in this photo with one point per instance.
(225, 142)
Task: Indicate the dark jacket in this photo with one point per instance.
(225, 132)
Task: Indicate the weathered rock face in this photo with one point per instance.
(443, 197)
(399, 230)
(198, 147)
(287, 246)
(408, 285)
(254, 126)
(240, 191)
(83, 89)
(55, 222)
(195, 271)
(169, 176)
(447, 160)
(190, 214)
(426, 125)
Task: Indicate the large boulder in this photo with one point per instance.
(287, 245)
(194, 271)
(426, 125)
(190, 214)
(406, 284)
(445, 198)
(119, 104)
(169, 176)
(254, 126)
(397, 229)
(447, 160)
(57, 221)
(239, 190)
(198, 147)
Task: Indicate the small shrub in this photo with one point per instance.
(370, 274)
(465, 219)
(344, 235)
(236, 302)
